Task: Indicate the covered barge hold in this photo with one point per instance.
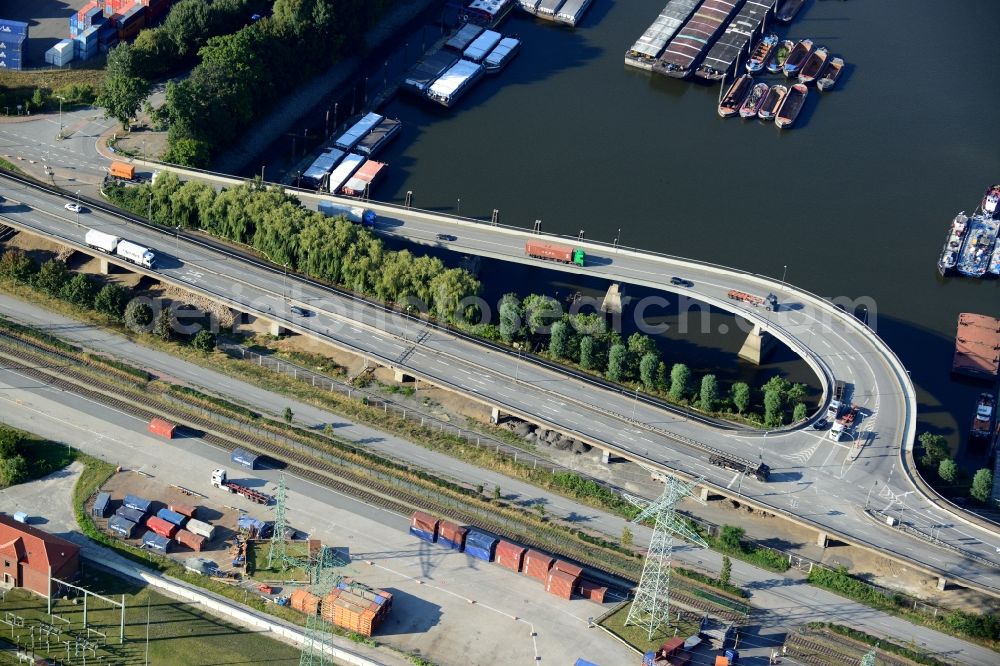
(317, 172)
(122, 526)
(358, 131)
(345, 170)
(383, 133)
(741, 30)
(453, 83)
(650, 45)
(480, 545)
(572, 11)
(102, 505)
(424, 526)
(137, 503)
(977, 346)
(482, 45)
(692, 40)
(157, 542)
(451, 535)
(359, 184)
(463, 37)
(245, 458)
(428, 70)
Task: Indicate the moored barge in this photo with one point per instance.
(740, 31)
(650, 45)
(692, 40)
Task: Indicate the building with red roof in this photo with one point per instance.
(29, 556)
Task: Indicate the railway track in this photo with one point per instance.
(34, 359)
(817, 653)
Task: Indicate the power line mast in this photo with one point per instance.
(279, 552)
(651, 607)
(869, 658)
(325, 577)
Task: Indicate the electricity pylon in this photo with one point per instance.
(279, 552)
(869, 658)
(325, 577)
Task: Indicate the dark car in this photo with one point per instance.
(447, 237)
(681, 282)
(819, 425)
(302, 312)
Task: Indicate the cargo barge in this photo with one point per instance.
(463, 37)
(481, 46)
(691, 41)
(650, 45)
(345, 170)
(567, 12)
(730, 46)
(358, 131)
(974, 258)
(454, 82)
(427, 71)
(489, 13)
(977, 346)
(501, 55)
(387, 130)
(571, 12)
(317, 172)
(953, 244)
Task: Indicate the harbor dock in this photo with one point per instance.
(977, 346)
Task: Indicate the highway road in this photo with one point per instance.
(786, 599)
(813, 478)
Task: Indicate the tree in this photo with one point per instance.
(773, 414)
(163, 326)
(38, 99)
(559, 340)
(123, 90)
(661, 376)
(9, 441)
(727, 570)
(540, 508)
(138, 316)
(948, 470)
(617, 360)
(680, 381)
(800, 411)
(588, 360)
(111, 300)
(16, 265)
(982, 485)
(740, 394)
(731, 538)
(797, 393)
(640, 345)
(13, 470)
(79, 290)
(203, 341)
(510, 317)
(288, 414)
(709, 393)
(51, 277)
(497, 495)
(648, 365)
(540, 312)
(189, 152)
(626, 539)
(935, 449)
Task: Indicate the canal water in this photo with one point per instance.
(854, 201)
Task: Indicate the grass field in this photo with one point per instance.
(260, 571)
(178, 633)
(639, 638)
(21, 85)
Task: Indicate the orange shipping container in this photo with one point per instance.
(306, 602)
(183, 509)
(537, 565)
(566, 567)
(510, 555)
(561, 584)
(162, 428)
(193, 541)
(122, 170)
(592, 591)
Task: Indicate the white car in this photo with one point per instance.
(73, 208)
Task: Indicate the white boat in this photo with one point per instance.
(453, 83)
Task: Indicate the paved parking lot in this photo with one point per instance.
(48, 22)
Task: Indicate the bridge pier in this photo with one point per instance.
(496, 416)
(606, 456)
(942, 583)
(822, 539)
(705, 493)
(104, 267)
(757, 345)
(277, 330)
(402, 377)
(612, 303)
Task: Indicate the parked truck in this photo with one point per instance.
(837, 403)
(844, 424)
(758, 469)
(769, 303)
(550, 252)
(127, 250)
(220, 479)
(122, 170)
(366, 217)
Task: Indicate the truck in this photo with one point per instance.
(758, 469)
(366, 217)
(220, 479)
(837, 403)
(769, 302)
(844, 423)
(127, 250)
(550, 252)
(101, 241)
(122, 170)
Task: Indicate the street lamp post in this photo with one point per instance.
(284, 279)
(78, 208)
(177, 240)
(149, 215)
(262, 173)
(635, 402)
(783, 273)
(61, 100)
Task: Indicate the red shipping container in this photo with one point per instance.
(510, 555)
(183, 509)
(80, 15)
(161, 527)
(190, 539)
(158, 426)
(561, 584)
(452, 532)
(425, 522)
(566, 567)
(537, 565)
(592, 591)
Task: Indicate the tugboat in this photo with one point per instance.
(780, 55)
(833, 70)
(772, 102)
(982, 423)
(797, 58)
(974, 259)
(752, 105)
(787, 9)
(813, 65)
(990, 201)
(737, 92)
(794, 101)
(953, 244)
(762, 53)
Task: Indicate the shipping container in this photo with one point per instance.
(193, 541)
(162, 428)
(423, 526)
(171, 517)
(202, 528)
(135, 515)
(479, 545)
(561, 584)
(537, 565)
(161, 527)
(137, 503)
(122, 170)
(510, 555)
(355, 613)
(549, 251)
(13, 30)
(305, 602)
(566, 567)
(183, 509)
(245, 458)
(122, 526)
(451, 535)
(592, 591)
(156, 542)
(102, 505)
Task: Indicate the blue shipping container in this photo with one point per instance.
(132, 15)
(133, 502)
(479, 553)
(155, 541)
(584, 662)
(102, 505)
(88, 18)
(245, 458)
(733, 656)
(89, 35)
(13, 28)
(448, 543)
(122, 526)
(422, 534)
(481, 540)
(171, 517)
(134, 515)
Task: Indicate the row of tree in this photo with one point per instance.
(940, 469)
(327, 248)
(13, 465)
